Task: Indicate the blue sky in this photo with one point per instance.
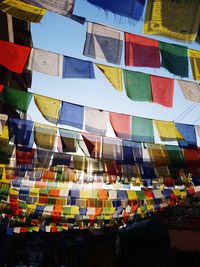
(61, 35)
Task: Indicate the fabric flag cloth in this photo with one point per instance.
(61, 159)
(141, 51)
(198, 36)
(112, 149)
(131, 9)
(114, 75)
(15, 98)
(174, 58)
(49, 107)
(158, 154)
(192, 157)
(137, 85)
(61, 7)
(77, 68)
(132, 152)
(96, 121)
(13, 56)
(142, 130)
(24, 156)
(103, 43)
(121, 124)
(4, 136)
(91, 145)
(162, 90)
(191, 90)
(176, 19)
(21, 10)
(71, 115)
(44, 136)
(3, 121)
(69, 140)
(175, 155)
(195, 63)
(198, 130)
(167, 130)
(6, 152)
(43, 158)
(45, 62)
(189, 135)
(21, 131)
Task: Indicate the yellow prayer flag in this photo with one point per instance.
(4, 136)
(114, 75)
(2, 172)
(49, 107)
(131, 195)
(74, 210)
(194, 56)
(176, 19)
(45, 136)
(21, 10)
(36, 228)
(158, 154)
(167, 130)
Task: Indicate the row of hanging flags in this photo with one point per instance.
(45, 182)
(175, 19)
(97, 121)
(139, 86)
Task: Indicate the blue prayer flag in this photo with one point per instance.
(189, 135)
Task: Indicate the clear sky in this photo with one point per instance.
(61, 35)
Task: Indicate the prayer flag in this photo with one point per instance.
(160, 18)
(112, 148)
(142, 130)
(96, 121)
(189, 135)
(174, 58)
(114, 75)
(121, 124)
(162, 90)
(6, 152)
(15, 98)
(24, 155)
(44, 136)
(13, 56)
(43, 158)
(71, 114)
(103, 43)
(132, 9)
(69, 140)
(195, 63)
(191, 90)
(49, 107)
(198, 36)
(141, 51)
(61, 159)
(62, 7)
(137, 85)
(92, 146)
(175, 154)
(4, 136)
(3, 120)
(192, 157)
(167, 130)
(77, 68)
(21, 131)
(158, 154)
(132, 152)
(21, 10)
(45, 62)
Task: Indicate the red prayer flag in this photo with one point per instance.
(141, 51)
(1, 88)
(192, 157)
(93, 144)
(121, 125)
(162, 90)
(13, 56)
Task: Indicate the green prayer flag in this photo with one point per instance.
(140, 195)
(137, 85)
(18, 99)
(6, 152)
(174, 58)
(142, 130)
(176, 155)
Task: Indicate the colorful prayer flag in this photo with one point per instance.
(142, 130)
(189, 135)
(191, 90)
(44, 136)
(162, 90)
(195, 63)
(96, 121)
(167, 130)
(141, 51)
(103, 43)
(137, 85)
(121, 124)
